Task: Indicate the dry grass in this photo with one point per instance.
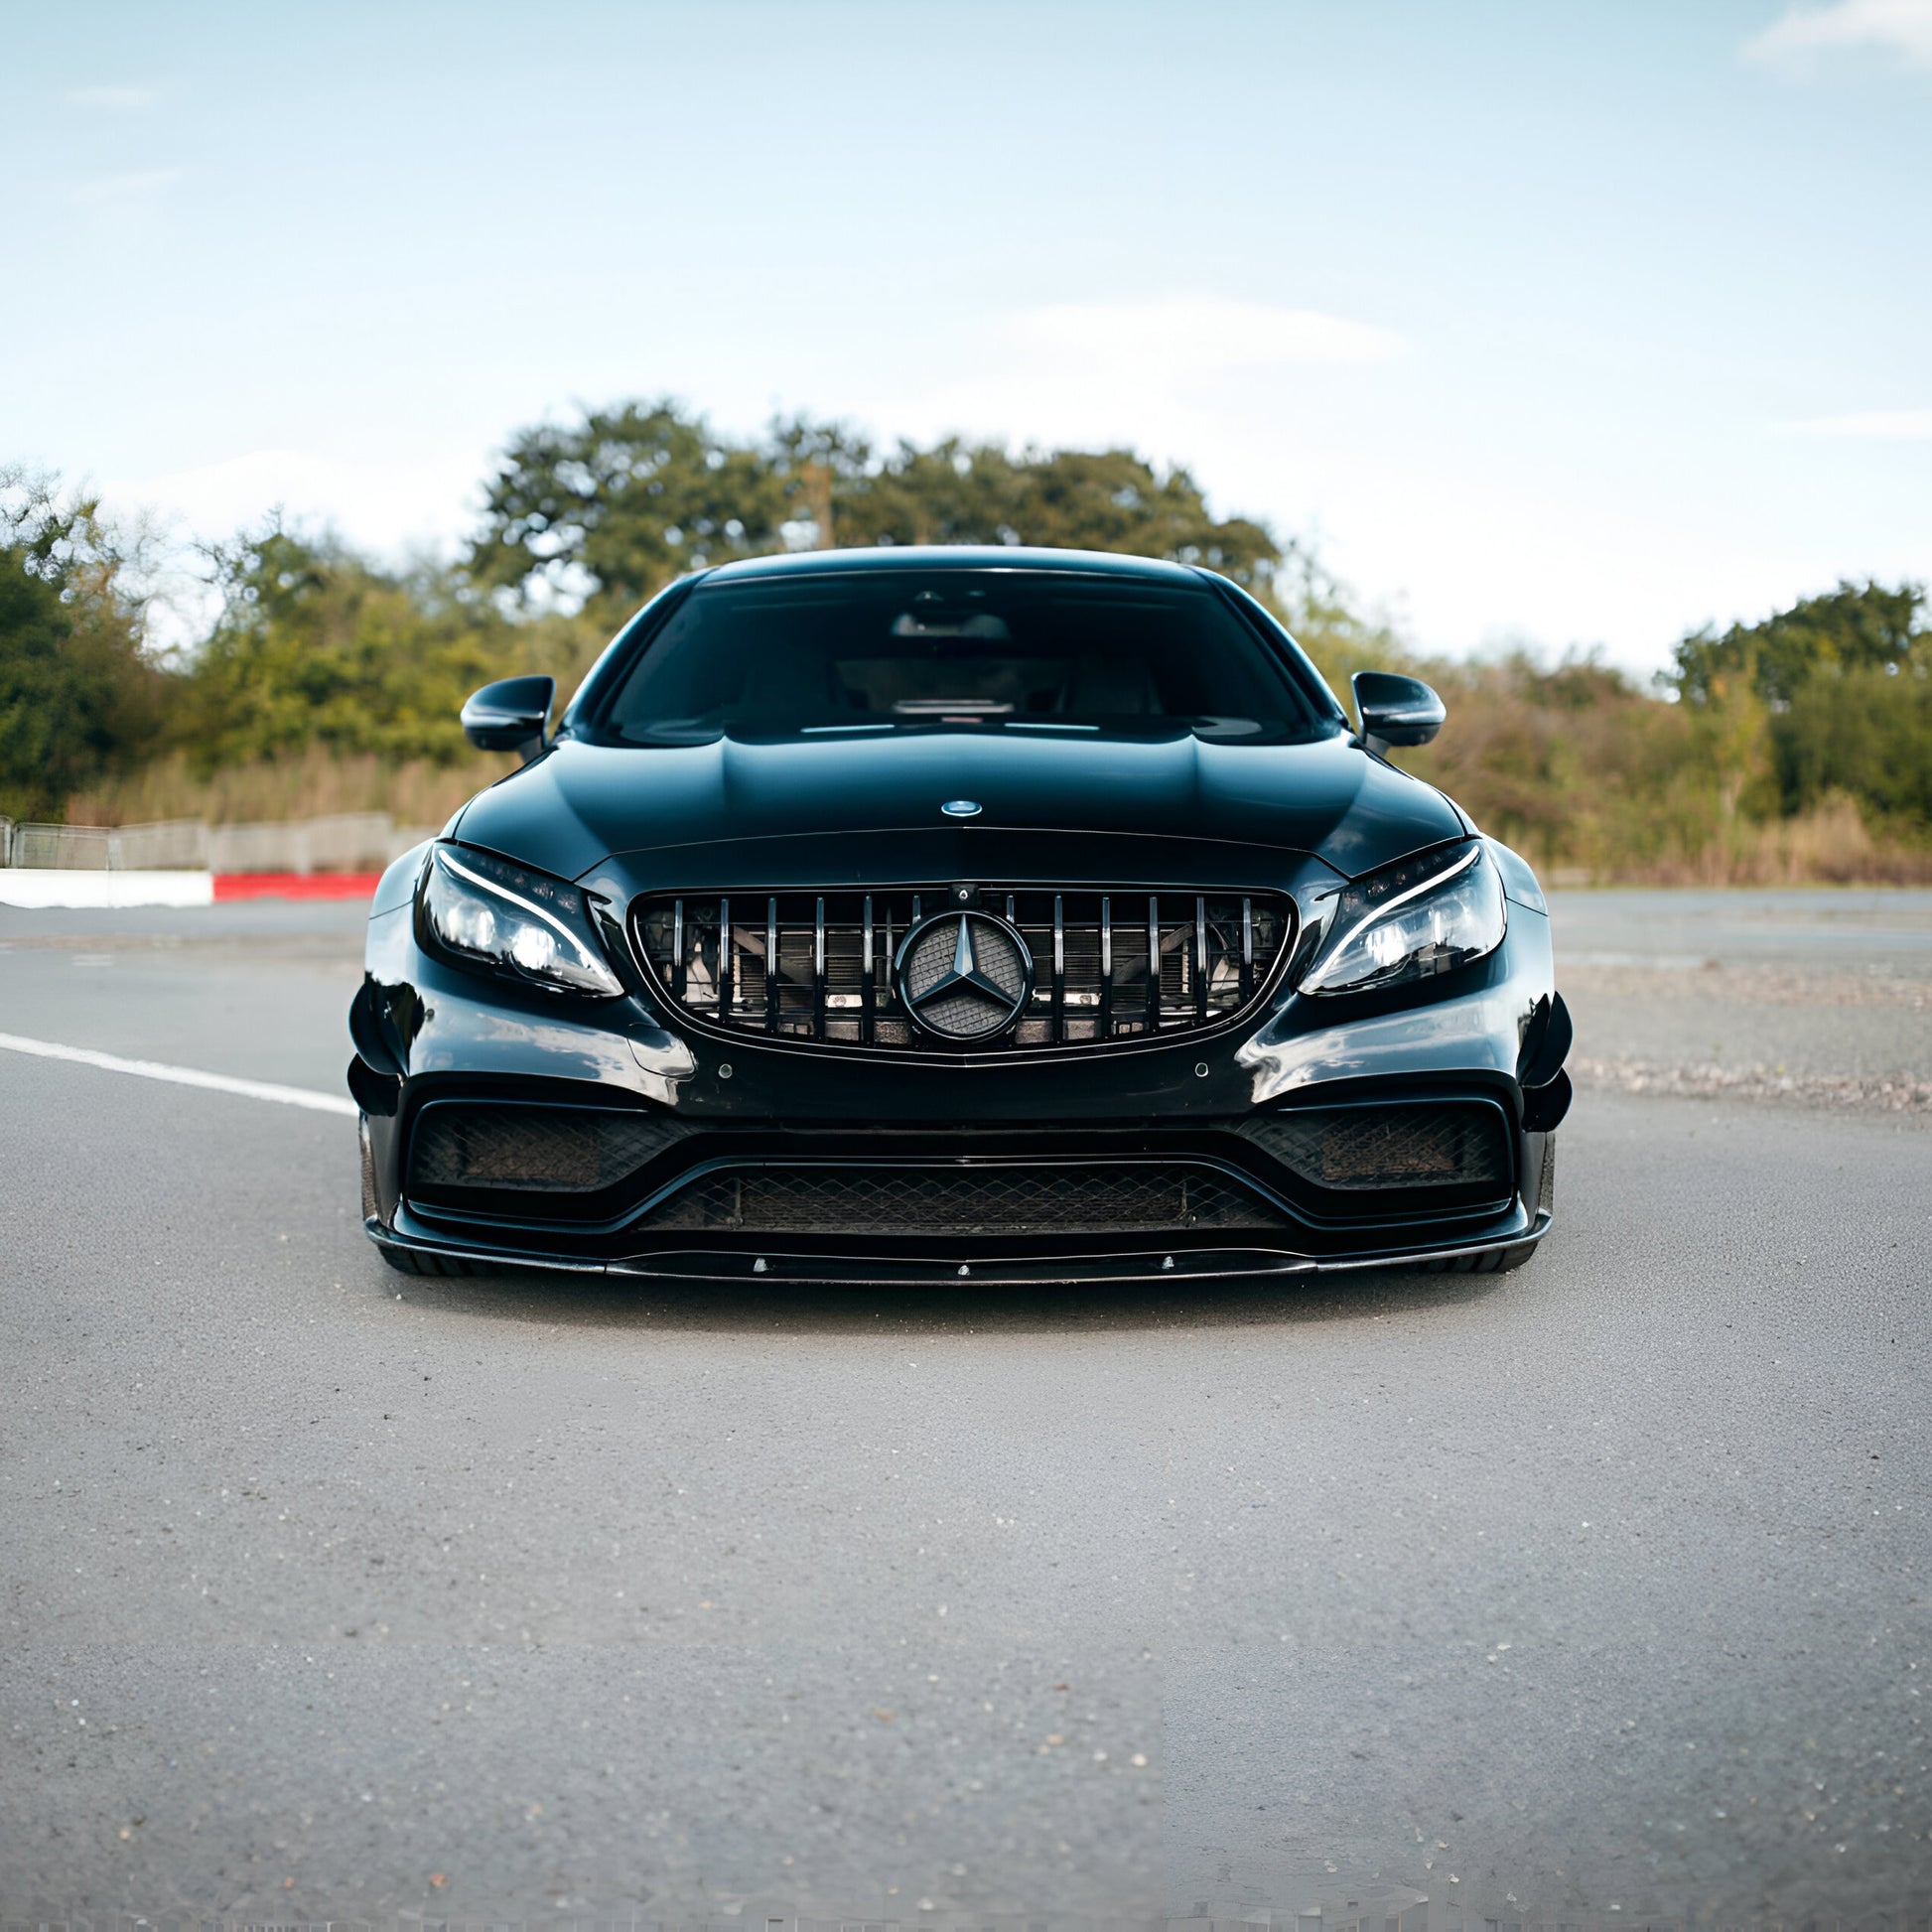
(1829, 846)
(317, 784)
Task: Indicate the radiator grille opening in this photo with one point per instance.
(986, 1201)
(820, 966)
(1453, 1145)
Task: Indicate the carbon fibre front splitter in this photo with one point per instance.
(735, 1267)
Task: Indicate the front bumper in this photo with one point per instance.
(428, 1033)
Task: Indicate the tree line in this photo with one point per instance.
(316, 651)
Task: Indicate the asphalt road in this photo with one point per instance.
(1822, 996)
(1598, 1591)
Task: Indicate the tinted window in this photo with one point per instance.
(939, 649)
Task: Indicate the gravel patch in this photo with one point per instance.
(1624, 1073)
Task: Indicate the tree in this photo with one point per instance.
(1836, 694)
(77, 696)
(1073, 499)
(1853, 628)
(614, 506)
(316, 644)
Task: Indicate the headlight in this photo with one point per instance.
(506, 919)
(1424, 916)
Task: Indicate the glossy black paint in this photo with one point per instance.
(512, 715)
(1177, 813)
(1396, 710)
(581, 808)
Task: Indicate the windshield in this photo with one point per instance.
(956, 649)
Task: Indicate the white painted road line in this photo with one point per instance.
(31, 886)
(183, 1076)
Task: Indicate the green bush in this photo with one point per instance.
(314, 645)
(79, 698)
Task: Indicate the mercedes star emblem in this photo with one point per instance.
(964, 976)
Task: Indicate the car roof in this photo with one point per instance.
(961, 556)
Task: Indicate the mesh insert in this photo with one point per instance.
(931, 958)
(990, 951)
(542, 1150)
(956, 1201)
(1453, 1145)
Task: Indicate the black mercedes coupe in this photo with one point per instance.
(909, 915)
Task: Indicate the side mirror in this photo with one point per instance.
(1396, 710)
(512, 715)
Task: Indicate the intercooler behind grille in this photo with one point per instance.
(950, 1200)
(820, 966)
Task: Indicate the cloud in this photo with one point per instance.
(1901, 27)
(124, 187)
(1200, 334)
(1185, 378)
(1874, 425)
(402, 497)
(118, 98)
(1162, 371)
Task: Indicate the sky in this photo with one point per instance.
(1572, 326)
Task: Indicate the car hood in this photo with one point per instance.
(579, 804)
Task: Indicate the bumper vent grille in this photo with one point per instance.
(812, 966)
(531, 1150)
(1376, 1147)
(1099, 1199)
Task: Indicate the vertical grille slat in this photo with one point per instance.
(818, 970)
(1200, 962)
(771, 958)
(1153, 965)
(818, 967)
(1106, 969)
(1059, 967)
(865, 976)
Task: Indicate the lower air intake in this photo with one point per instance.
(991, 1202)
(1455, 1144)
(471, 1146)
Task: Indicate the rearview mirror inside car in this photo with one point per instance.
(1396, 710)
(512, 715)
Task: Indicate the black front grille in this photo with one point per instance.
(1379, 1147)
(820, 966)
(992, 1201)
(464, 1146)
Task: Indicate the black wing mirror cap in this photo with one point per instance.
(1396, 710)
(512, 715)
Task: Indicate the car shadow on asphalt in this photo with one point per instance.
(618, 1302)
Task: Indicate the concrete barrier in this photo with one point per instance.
(344, 842)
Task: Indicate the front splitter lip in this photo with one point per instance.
(774, 1267)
